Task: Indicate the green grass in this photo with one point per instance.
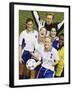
(23, 15)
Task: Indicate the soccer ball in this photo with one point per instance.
(31, 64)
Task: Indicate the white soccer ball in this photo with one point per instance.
(31, 64)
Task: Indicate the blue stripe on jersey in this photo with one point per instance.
(23, 43)
(56, 44)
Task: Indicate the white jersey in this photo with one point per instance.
(40, 46)
(30, 39)
(49, 57)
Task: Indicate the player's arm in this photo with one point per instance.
(40, 22)
(20, 47)
(36, 56)
(60, 25)
(38, 63)
(56, 58)
(36, 16)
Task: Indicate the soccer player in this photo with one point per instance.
(41, 39)
(60, 66)
(27, 43)
(48, 23)
(50, 58)
(54, 38)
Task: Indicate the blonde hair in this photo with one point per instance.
(49, 38)
(42, 28)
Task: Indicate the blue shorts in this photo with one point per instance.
(25, 56)
(45, 73)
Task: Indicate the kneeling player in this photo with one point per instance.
(50, 58)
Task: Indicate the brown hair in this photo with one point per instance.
(50, 13)
(28, 20)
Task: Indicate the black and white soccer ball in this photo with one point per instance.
(31, 64)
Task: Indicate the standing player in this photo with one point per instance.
(50, 58)
(27, 43)
(48, 23)
(41, 37)
(54, 38)
(60, 66)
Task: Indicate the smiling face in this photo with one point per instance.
(47, 43)
(42, 33)
(53, 32)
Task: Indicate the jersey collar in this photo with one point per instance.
(30, 31)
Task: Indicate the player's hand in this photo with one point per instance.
(53, 64)
(35, 56)
(42, 23)
(38, 63)
(35, 65)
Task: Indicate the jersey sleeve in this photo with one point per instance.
(39, 21)
(56, 43)
(20, 39)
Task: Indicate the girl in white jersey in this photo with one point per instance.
(27, 43)
(50, 58)
(41, 39)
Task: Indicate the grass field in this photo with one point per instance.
(23, 15)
